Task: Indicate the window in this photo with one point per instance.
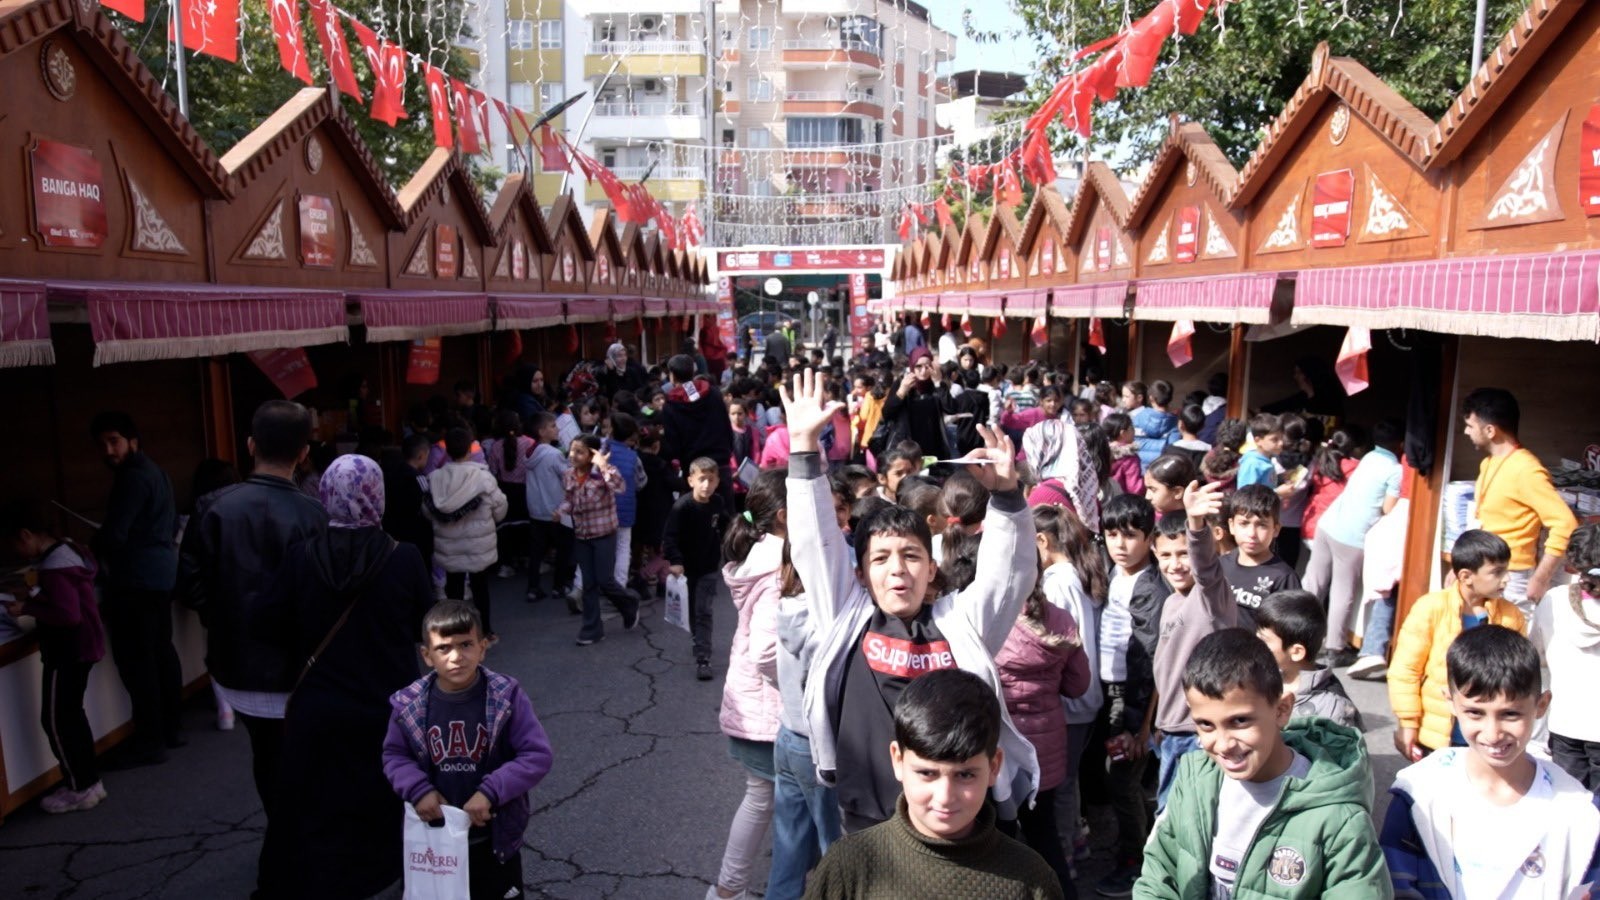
(804, 131)
(520, 34)
(922, 60)
(758, 90)
(608, 157)
(761, 38)
(551, 93)
(758, 137)
(922, 109)
(727, 137)
(521, 95)
(549, 34)
(899, 97)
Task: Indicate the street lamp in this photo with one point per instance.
(551, 113)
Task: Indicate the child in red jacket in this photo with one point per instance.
(71, 641)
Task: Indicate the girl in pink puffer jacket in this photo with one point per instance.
(1041, 662)
(753, 550)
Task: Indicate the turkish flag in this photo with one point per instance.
(1079, 115)
(439, 107)
(905, 225)
(1037, 163)
(927, 320)
(1101, 75)
(1097, 335)
(1180, 345)
(1190, 14)
(330, 34)
(388, 65)
(1351, 366)
(289, 369)
(966, 324)
(941, 209)
(480, 111)
(1142, 46)
(466, 122)
(211, 27)
(693, 230)
(572, 339)
(551, 155)
(944, 322)
(133, 9)
(997, 327)
(1040, 333)
(291, 46)
(1008, 188)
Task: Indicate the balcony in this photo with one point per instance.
(677, 184)
(828, 103)
(825, 207)
(618, 120)
(859, 57)
(648, 59)
(806, 155)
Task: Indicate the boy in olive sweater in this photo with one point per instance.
(942, 841)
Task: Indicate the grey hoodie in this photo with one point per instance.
(797, 643)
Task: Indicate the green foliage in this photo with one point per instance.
(228, 101)
(1235, 75)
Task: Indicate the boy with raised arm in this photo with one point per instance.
(882, 622)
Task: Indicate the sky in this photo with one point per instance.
(1014, 54)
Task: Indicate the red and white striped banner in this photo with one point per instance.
(1219, 298)
(410, 315)
(1089, 301)
(1546, 296)
(131, 322)
(24, 325)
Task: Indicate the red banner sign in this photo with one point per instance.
(1330, 208)
(69, 209)
(860, 319)
(1188, 234)
(317, 240)
(1102, 249)
(422, 366)
(1589, 163)
(289, 369)
(727, 324)
(602, 268)
(800, 258)
(1047, 257)
(445, 252)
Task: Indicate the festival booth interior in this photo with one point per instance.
(977, 312)
(1043, 249)
(1192, 298)
(1100, 266)
(529, 321)
(310, 209)
(566, 274)
(104, 256)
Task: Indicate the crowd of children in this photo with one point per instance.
(936, 666)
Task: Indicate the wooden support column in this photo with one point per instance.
(218, 410)
(486, 366)
(1074, 350)
(1238, 371)
(1422, 527)
(1135, 352)
(391, 383)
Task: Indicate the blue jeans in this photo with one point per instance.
(1173, 747)
(805, 817)
(1380, 625)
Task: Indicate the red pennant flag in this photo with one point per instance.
(289, 369)
(966, 324)
(211, 27)
(572, 339)
(1190, 14)
(551, 156)
(1040, 332)
(944, 322)
(905, 225)
(466, 122)
(1352, 363)
(511, 132)
(1180, 346)
(1101, 75)
(439, 107)
(133, 9)
(1142, 47)
(330, 34)
(388, 65)
(1037, 163)
(1097, 335)
(513, 348)
(693, 231)
(921, 210)
(1007, 187)
(611, 330)
(927, 320)
(480, 110)
(941, 209)
(997, 327)
(291, 48)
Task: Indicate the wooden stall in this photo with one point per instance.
(566, 273)
(1100, 261)
(516, 281)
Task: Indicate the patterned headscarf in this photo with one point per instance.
(352, 492)
(614, 355)
(1056, 450)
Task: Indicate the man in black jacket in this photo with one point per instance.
(695, 423)
(777, 349)
(139, 565)
(231, 552)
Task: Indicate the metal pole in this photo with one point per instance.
(1477, 38)
(713, 34)
(176, 12)
(584, 125)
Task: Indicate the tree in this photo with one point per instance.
(1238, 72)
(228, 101)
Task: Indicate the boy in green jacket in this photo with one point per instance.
(1292, 817)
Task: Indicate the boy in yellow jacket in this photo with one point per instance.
(1417, 676)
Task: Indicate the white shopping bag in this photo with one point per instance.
(677, 612)
(436, 858)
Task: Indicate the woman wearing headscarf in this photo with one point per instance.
(349, 602)
(917, 407)
(621, 373)
(526, 392)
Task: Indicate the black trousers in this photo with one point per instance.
(491, 879)
(455, 584)
(1036, 827)
(65, 725)
(1578, 758)
(543, 537)
(139, 628)
(273, 876)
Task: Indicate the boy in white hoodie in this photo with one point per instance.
(464, 501)
(1565, 632)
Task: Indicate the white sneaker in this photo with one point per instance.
(225, 719)
(711, 894)
(1368, 668)
(66, 800)
(506, 572)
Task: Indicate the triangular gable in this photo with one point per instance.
(309, 203)
(522, 240)
(675, 263)
(106, 179)
(948, 265)
(1188, 153)
(971, 268)
(568, 266)
(1044, 231)
(447, 228)
(655, 275)
(1503, 68)
(1097, 228)
(1000, 243)
(909, 264)
(1333, 79)
(606, 274)
(633, 255)
(1180, 213)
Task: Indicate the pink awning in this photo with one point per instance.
(24, 325)
(133, 322)
(988, 303)
(656, 307)
(581, 310)
(1545, 296)
(514, 312)
(1029, 304)
(955, 303)
(627, 307)
(1089, 301)
(1218, 298)
(411, 315)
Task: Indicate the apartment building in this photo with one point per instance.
(787, 120)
